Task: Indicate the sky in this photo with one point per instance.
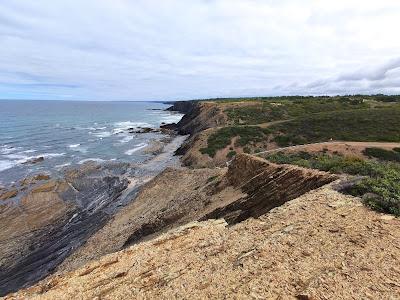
(192, 49)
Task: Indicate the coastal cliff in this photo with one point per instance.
(233, 225)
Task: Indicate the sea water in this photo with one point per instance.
(67, 133)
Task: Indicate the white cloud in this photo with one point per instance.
(172, 49)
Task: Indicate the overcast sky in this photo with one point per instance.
(186, 49)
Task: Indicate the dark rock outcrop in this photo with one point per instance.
(267, 185)
(183, 107)
(34, 160)
(198, 116)
(54, 218)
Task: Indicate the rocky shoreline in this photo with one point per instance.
(43, 220)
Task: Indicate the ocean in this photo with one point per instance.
(68, 133)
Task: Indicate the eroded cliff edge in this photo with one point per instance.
(291, 234)
(321, 245)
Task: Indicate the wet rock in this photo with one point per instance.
(53, 219)
(33, 179)
(144, 130)
(171, 126)
(35, 160)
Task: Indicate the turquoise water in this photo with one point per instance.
(70, 133)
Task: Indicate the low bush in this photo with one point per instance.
(382, 154)
(223, 137)
(231, 154)
(380, 186)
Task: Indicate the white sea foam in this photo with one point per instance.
(28, 151)
(6, 149)
(90, 159)
(124, 126)
(74, 145)
(127, 139)
(171, 118)
(59, 167)
(78, 147)
(137, 148)
(6, 164)
(102, 134)
(50, 155)
(18, 156)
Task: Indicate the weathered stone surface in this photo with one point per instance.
(254, 259)
(33, 179)
(7, 194)
(266, 186)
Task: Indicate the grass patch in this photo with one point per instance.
(382, 154)
(380, 187)
(354, 125)
(223, 137)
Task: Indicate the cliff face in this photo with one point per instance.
(266, 186)
(250, 188)
(322, 245)
(183, 107)
(198, 116)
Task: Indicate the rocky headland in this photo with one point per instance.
(218, 227)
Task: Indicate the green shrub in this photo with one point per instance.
(231, 154)
(223, 137)
(246, 150)
(382, 154)
(381, 184)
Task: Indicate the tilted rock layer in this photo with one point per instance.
(322, 245)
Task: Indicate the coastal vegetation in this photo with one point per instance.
(382, 124)
(383, 154)
(269, 111)
(257, 124)
(222, 138)
(379, 187)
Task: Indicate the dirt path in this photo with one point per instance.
(355, 148)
